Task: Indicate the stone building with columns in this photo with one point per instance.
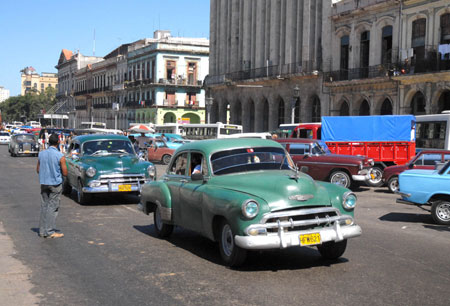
(348, 57)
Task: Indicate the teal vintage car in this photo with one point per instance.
(105, 163)
(247, 195)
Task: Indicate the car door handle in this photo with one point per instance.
(184, 181)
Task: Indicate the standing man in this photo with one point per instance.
(51, 167)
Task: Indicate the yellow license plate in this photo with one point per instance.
(310, 239)
(26, 151)
(124, 187)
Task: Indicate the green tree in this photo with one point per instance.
(29, 105)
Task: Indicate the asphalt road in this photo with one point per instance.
(110, 256)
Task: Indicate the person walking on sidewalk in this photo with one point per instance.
(51, 167)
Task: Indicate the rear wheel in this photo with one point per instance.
(166, 159)
(332, 250)
(440, 211)
(393, 184)
(376, 177)
(232, 255)
(163, 230)
(340, 178)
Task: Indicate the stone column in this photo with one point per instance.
(273, 115)
(399, 107)
(258, 116)
(245, 116)
(428, 101)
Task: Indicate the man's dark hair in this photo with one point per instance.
(53, 139)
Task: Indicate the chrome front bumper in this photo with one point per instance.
(106, 189)
(290, 239)
(111, 183)
(363, 175)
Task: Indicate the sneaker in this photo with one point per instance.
(55, 235)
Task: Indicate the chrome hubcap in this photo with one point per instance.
(339, 179)
(158, 222)
(443, 211)
(375, 176)
(394, 185)
(227, 240)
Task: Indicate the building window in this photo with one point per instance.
(192, 73)
(445, 29)
(171, 70)
(364, 53)
(418, 38)
(386, 45)
(170, 98)
(280, 112)
(191, 98)
(344, 57)
(315, 115)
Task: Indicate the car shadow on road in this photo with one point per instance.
(407, 217)
(106, 199)
(439, 228)
(268, 260)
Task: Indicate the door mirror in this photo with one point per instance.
(410, 165)
(75, 157)
(197, 177)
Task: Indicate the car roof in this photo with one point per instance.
(438, 151)
(24, 134)
(213, 145)
(83, 138)
(296, 140)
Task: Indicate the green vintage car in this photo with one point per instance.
(105, 163)
(247, 195)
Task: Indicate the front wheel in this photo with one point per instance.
(440, 211)
(393, 184)
(332, 250)
(375, 177)
(163, 230)
(82, 198)
(340, 178)
(232, 255)
(166, 159)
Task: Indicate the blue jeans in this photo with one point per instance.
(50, 198)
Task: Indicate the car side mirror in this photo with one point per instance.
(75, 157)
(197, 177)
(411, 165)
(304, 169)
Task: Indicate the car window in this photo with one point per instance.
(431, 159)
(198, 164)
(25, 138)
(179, 165)
(446, 157)
(298, 148)
(107, 147)
(250, 159)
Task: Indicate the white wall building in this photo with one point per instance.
(4, 94)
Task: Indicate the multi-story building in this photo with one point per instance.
(153, 80)
(31, 81)
(4, 94)
(165, 78)
(68, 64)
(283, 61)
(388, 57)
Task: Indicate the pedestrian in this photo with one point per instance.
(51, 167)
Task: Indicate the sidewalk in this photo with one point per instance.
(15, 284)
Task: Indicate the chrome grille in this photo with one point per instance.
(26, 147)
(122, 179)
(301, 219)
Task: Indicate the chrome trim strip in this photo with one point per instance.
(120, 175)
(335, 164)
(403, 194)
(299, 212)
(291, 223)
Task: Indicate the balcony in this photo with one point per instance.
(102, 105)
(170, 103)
(191, 104)
(274, 71)
(80, 107)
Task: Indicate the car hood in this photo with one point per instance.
(418, 172)
(342, 158)
(115, 163)
(277, 188)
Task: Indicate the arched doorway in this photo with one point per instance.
(193, 118)
(315, 111)
(265, 115)
(444, 101)
(214, 116)
(418, 104)
(170, 118)
(386, 107)
(281, 111)
(297, 111)
(364, 108)
(238, 112)
(344, 110)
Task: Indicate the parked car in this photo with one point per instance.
(5, 137)
(428, 187)
(159, 151)
(23, 144)
(425, 159)
(322, 165)
(105, 163)
(248, 195)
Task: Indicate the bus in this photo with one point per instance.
(91, 125)
(285, 129)
(168, 128)
(432, 131)
(209, 131)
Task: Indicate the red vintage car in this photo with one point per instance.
(157, 151)
(426, 159)
(316, 160)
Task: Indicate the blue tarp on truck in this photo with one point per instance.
(369, 128)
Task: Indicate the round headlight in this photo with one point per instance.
(91, 172)
(349, 200)
(250, 209)
(151, 170)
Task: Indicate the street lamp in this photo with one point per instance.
(209, 102)
(294, 101)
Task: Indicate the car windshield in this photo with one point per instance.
(250, 159)
(25, 138)
(107, 147)
(323, 147)
(4, 134)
